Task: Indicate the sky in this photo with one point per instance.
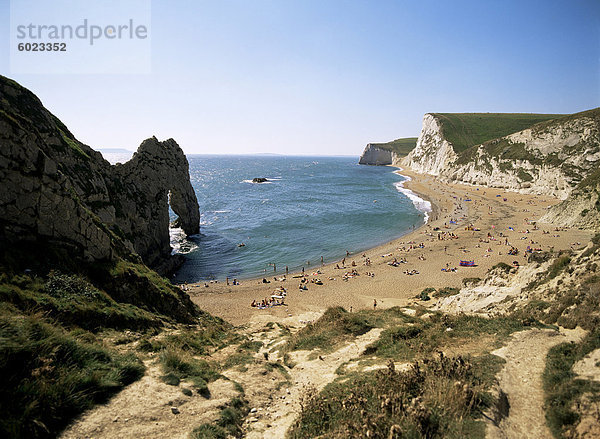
(326, 77)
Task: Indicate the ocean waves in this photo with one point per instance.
(422, 205)
(309, 210)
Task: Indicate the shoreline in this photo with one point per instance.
(454, 207)
(421, 202)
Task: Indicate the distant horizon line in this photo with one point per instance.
(271, 154)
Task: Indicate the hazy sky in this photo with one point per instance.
(327, 77)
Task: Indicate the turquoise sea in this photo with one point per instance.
(310, 207)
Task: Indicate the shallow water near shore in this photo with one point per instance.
(310, 207)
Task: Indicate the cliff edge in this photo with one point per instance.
(389, 153)
(373, 155)
(59, 193)
(549, 157)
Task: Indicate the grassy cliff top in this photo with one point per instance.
(467, 129)
(399, 146)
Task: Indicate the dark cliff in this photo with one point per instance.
(58, 192)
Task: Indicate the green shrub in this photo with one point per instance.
(562, 388)
(501, 266)
(424, 295)
(436, 398)
(209, 431)
(422, 338)
(447, 291)
(178, 365)
(333, 327)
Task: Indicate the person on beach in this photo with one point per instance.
(286, 270)
(322, 263)
(374, 304)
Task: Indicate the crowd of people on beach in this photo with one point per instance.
(276, 299)
(498, 241)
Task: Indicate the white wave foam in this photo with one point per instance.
(421, 204)
(180, 244)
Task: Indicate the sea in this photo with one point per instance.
(310, 208)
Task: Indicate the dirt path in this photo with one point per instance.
(521, 380)
(279, 413)
(145, 410)
(274, 391)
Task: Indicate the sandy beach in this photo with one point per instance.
(466, 223)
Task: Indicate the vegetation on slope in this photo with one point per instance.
(63, 289)
(567, 293)
(564, 390)
(437, 396)
(401, 147)
(52, 366)
(50, 375)
(591, 181)
(440, 397)
(508, 152)
(334, 327)
(576, 304)
(464, 130)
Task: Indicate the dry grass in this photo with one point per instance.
(435, 398)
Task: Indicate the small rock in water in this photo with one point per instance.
(175, 410)
(259, 180)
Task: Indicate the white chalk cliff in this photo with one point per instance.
(548, 158)
(433, 152)
(374, 155)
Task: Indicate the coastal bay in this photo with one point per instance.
(390, 286)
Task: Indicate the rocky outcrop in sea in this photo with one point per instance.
(61, 196)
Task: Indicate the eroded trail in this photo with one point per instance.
(283, 406)
(149, 408)
(521, 380)
(145, 409)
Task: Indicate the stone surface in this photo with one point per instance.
(553, 156)
(372, 155)
(58, 192)
(433, 152)
(581, 209)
